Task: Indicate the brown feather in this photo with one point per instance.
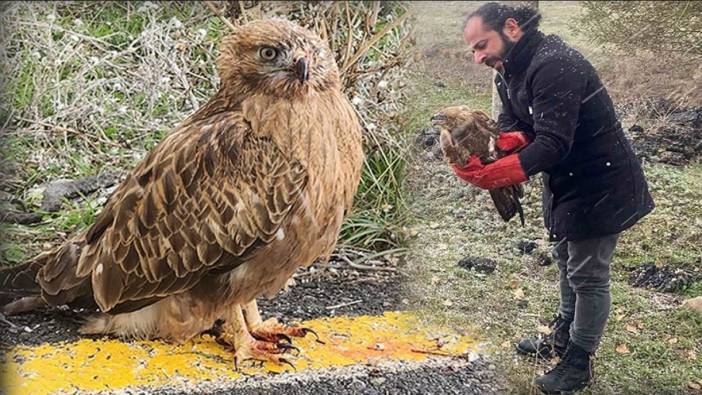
(246, 190)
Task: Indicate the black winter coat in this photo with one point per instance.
(593, 182)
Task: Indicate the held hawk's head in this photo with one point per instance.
(276, 57)
(462, 117)
(463, 132)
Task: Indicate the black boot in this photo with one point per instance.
(571, 374)
(547, 346)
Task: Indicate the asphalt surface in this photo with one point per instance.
(437, 376)
(330, 291)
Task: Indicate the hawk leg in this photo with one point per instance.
(271, 330)
(234, 335)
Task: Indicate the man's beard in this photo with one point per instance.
(507, 47)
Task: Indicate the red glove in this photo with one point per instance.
(501, 173)
(509, 142)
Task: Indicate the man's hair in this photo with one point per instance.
(495, 14)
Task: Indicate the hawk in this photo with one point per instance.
(252, 186)
(464, 132)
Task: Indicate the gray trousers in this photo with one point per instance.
(585, 299)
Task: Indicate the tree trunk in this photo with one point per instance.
(496, 103)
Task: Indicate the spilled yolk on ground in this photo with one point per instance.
(94, 365)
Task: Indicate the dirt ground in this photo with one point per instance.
(457, 223)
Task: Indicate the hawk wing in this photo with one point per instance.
(200, 200)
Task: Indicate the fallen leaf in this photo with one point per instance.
(519, 293)
(691, 354)
(506, 344)
(694, 386)
(694, 304)
(673, 340)
(434, 280)
(632, 329)
(448, 303)
(622, 349)
(514, 283)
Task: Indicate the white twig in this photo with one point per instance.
(364, 267)
(343, 304)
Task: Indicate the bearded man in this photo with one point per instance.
(559, 117)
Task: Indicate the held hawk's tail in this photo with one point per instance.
(507, 201)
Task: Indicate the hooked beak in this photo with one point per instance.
(439, 119)
(301, 70)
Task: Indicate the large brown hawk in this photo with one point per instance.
(249, 188)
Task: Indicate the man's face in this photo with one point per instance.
(489, 46)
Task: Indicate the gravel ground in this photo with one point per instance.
(434, 376)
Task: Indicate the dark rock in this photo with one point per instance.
(658, 106)
(636, 129)
(664, 278)
(427, 138)
(526, 246)
(61, 189)
(691, 117)
(483, 265)
(677, 143)
(543, 258)
(15, 217)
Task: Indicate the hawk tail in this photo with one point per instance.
(19, 281)
(50, 277)
(507, 202)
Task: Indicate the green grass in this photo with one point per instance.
(380, 208)
(670, 234)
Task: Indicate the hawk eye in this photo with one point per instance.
(268, 53)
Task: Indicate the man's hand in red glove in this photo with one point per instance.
(509, 142)
(501, 173)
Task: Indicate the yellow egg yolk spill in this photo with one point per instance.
(94, 365)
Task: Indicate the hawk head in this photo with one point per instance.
(277, 57)
(453, 117)
(463, 132)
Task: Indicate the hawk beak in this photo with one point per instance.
(438, 119)
(301, 70)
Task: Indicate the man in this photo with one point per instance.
(558, 119)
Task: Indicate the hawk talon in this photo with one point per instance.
(285, 347)
(285, 361)
(305, 331)
(215, 331)
(280, 337)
